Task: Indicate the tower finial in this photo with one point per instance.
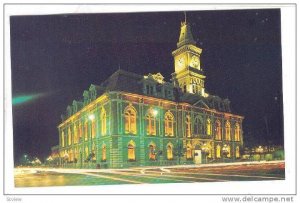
(184, 17)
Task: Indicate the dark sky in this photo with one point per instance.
(59, 56)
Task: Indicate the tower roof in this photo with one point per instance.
(186, 36)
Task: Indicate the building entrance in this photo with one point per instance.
(197, 157)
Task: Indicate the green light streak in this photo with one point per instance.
(24, 99)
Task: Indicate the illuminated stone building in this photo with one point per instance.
(133, 120)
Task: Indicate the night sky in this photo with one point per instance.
(56, 57)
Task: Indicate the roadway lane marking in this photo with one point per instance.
(187, 177)
(149, 176)
(112, 178)
(236, 175)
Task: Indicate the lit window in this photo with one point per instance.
(218, 130)
(85, 131)
(169, 122)
(62, 139)
(104, 153)
(130, 120)
(131, 152)
(169, 152)
(227, 130)
(70, 136)
(218, 153)
(188, 126)
(208, 127)
(198, 126)
(75, 135)
(80, 131)
(103, 122)
(152, 155)
(93, 128)
(229, 152)
(188, 152)
(237, 152)
(151, 123)
(237, 132)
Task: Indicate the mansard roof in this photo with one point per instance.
(130, 82)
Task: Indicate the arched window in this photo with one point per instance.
(188, 126)
(218, 151)
(237, 132)
(151, 122)
(227, 130)
(80, 131)
(169, 152)
(62, 139)
(198, 126)
(103, 152)
(130, 120)
(93, 128)
(169, 122)
(218, 130)
(237, 152)
(229, 151)
(75, 135)
(131, 152)
(70, 136)
(93, 154)
(86, 130)
(208, 127)
(152, 155)
(103, 122)
(189, 152)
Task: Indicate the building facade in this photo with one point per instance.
(133, 120)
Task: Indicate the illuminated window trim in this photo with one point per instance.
(63, 138)
(169, 124)
(237, 132)
(170, 152)
(103, 122)
(75, 135)
(227, 130)
(103, 152)
(237, 152)
(69, 136)
(188, 126)
(130, 119)
(151, 122)
(86, 131)
(131, 151)
(152, 155)
(208, 127)
(189, 152)
(218, 130)
(218, 151)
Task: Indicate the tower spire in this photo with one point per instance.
(186, 36)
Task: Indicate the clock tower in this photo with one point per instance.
(188, 75)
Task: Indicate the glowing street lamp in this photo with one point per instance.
(154, 112)
(92, 117)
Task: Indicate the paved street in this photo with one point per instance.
(37, 177)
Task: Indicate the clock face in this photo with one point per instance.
(180, 62)
(195, 61)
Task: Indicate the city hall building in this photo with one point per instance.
(134, 120)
